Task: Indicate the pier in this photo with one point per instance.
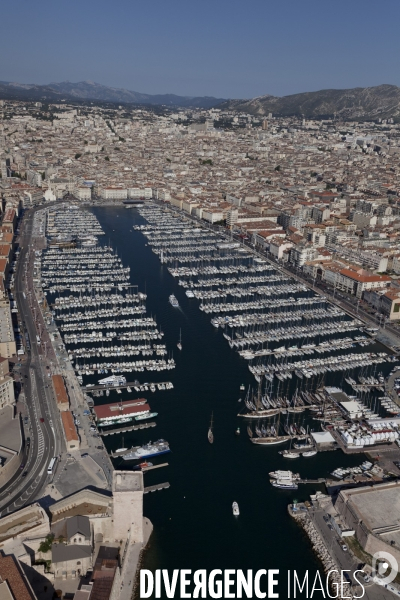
(152, 467)
(319, 480)
(125, 429)
(155, 488)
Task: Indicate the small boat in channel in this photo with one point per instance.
(210, 434)
(235, 509)
(179, 344)
(173, 301)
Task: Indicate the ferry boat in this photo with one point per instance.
(173, 301)
(113, 380)
(284, 484)
(150, 449)
(117, 422)
(235, 509)
(146, 416)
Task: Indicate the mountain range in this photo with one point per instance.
(381, 101)
(89, 90)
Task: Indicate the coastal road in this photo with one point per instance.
(38, 393)
(344, 560)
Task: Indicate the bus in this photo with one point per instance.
(50, 468)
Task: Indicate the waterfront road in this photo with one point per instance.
(38, 396)
(345, 560)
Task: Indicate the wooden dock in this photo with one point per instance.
(145, 469)
(155, 488)
(130, 428)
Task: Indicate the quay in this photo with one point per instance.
(125, 429)
(155, 488)
(319, 480)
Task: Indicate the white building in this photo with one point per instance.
(83, 193)
(213, 215)
(114, 193)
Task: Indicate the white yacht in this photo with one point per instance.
(113, 380)
(289, 454)
(284, 484)
(235, 509)
(173, 301)
(283, 475)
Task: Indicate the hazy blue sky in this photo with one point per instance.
(224, 48)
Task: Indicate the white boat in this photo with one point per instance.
(149, 415)
(309, 453)
(150, 449)
(288, 454)
(210, 434)
(173, 301)
(179, 344)
(283, 475)
(284, 484)
(113, 380)
(235, 509)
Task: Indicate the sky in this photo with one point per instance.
(221, 48)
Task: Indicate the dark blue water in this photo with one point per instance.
(193, 523)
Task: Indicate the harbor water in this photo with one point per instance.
(194, 527)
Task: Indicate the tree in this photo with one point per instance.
(45, 546)
(77, 155)
(106, 158)
(278, 168)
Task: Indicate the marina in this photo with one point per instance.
(254, 342)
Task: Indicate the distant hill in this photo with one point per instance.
(382, 101)
(88, 90)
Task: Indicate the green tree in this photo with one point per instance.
(45, 546)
